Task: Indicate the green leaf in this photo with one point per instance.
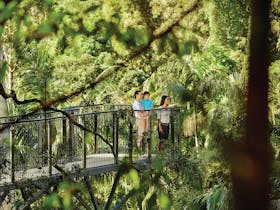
(45, 28)
(214, 198)
(8, 10)
(3, 69)
(2, 5)
(89, 138)
(135, 178)
(48, 2)
(106, 72)
(158, 164)
(164, 201)
(66, 200)
(52, 201)
(63, 186)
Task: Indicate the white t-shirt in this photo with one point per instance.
(164, 114)
(137, 106)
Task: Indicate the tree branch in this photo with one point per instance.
(47, 104)
(122, 202)
(75, 193)
(163, 33)
(37, 195)
(113, 190)
(85, 128)
(92, 197)
(14, 97)
(3, 196)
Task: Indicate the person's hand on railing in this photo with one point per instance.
(173, 106)
(144, 114)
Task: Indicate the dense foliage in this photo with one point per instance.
(195, 51)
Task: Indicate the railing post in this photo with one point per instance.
(12, 155)
(49, 147)
(115, 135)
(95, 131)
(71, 138)
(149, 139)
(84, 144)
(40, 137)
(172, 126)
(64, 130)
(179, 127)
(130, 139)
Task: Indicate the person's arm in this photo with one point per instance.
(135, 109)
(139, 112)
(159, 126)
(173, 106)
(143, 114)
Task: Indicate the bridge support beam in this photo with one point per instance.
(116, 135)
(71, 138)
(172, 127)
(49, 147)
(95, 136)
(130, 139)
(12, 155)
(84, 143)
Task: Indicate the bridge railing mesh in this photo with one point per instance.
(87, 137)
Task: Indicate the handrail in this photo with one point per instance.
(44, 117)
(71, 108)
(114, 126)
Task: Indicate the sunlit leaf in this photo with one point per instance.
(66, 200)
(52, 201)
(8, 10)
(164, 201)
(135, 178)
(63, 185)
(2, 5)
(48, 2)
(45, 28)
(3, 69)
(89, 138)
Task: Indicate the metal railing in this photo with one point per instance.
(88, 137)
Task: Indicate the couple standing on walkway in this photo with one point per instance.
(142, 107)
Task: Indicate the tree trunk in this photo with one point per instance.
(4, 142)
(250, 164)
(3, 105)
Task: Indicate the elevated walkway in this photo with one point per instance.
(83, 140)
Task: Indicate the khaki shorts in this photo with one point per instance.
(140, 123)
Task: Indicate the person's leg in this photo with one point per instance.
(144, 121)
(163, 136)
(160, 144)
(147, 125)
(139, 141)
(140, 125)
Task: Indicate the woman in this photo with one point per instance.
(163, 116)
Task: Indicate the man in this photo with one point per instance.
(140, 116)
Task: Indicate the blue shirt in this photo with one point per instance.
(147, 103)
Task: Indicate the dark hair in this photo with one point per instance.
(146, 93)
(163, 100)
(136, 93)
